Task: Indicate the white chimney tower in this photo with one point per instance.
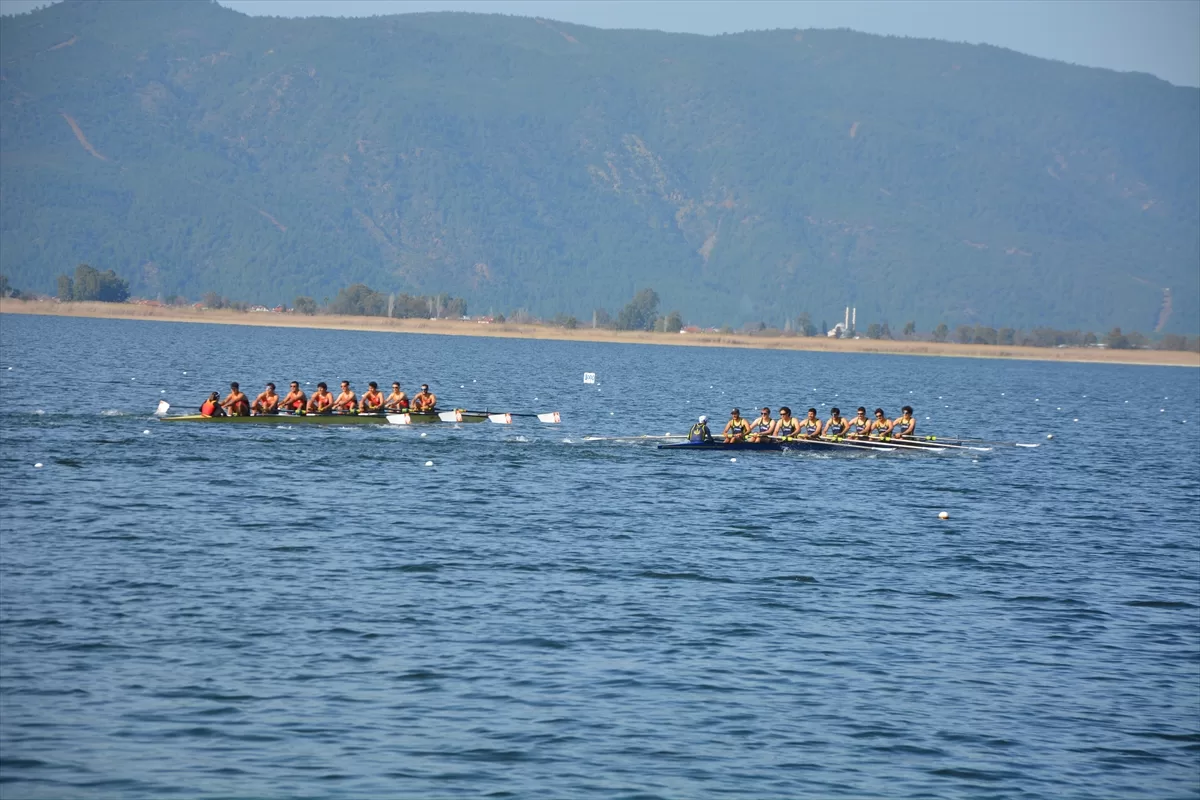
(853, 318)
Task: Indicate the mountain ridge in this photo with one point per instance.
(536, 164)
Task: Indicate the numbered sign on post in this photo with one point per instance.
(589, 377)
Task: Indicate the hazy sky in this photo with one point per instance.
(1161, 37)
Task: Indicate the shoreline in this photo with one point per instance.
(446, 327)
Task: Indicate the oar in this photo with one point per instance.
(548, 417)
(163, 408)
(633, 438)
(978, 441)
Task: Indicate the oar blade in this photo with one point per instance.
(500, 419)
(163, 408)
(550, 418)
(399, 419)
(450, 416)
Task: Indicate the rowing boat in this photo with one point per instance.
(776, 445)
(284, 418)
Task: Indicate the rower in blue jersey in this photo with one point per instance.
(905, 425)
(737, 428)
(700, 433)
(881, 426)
(836, 425)
(761, 428)
(860, 426)
(810, 428)
(786, 427)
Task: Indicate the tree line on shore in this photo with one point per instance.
(641, 313)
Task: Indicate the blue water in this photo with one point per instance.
(245, 611)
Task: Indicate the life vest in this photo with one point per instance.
(209, 408)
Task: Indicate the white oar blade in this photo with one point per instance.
(500, 419)
(163, 408)
(450, 416)
(550, 417)
(1027, 445)
(399, 419)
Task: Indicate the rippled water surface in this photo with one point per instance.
(246, 611)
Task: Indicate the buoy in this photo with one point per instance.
(943, 515)
(38, 465)
(147, 431)
(1077, 419)
(1049, 435)
(184, 372)
(429, 463)
(733, 461)
(423, 435)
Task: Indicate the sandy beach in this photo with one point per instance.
(445, 327)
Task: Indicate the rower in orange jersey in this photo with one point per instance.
(296, 400)
(397, 400)
(425, 399)
(212, 406)
(267, 402)
(321, 400)
(347, 400)
(372, 399)
(236, 404)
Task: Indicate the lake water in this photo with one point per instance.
(254, 611)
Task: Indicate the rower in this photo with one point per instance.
(700, 433)
(737, 428)
(397, 400)
(321, 400)
(425, 399)
(760, 431)
(786, 426)
(212, 406)
(267, 402)
(881, 426)
(296, 400)
(236, 404)
(860, 426)
(347, 400)
(810, 428)
(905, 425)
(372, 399)
(835, 426)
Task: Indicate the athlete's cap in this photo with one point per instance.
(703, 418)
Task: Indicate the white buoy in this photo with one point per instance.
(423, 435)
(1049, 435)
(147, 431)
(1161, 410)
(38, 465)
(733, 461)
(943, 515)
(429, 463)
(162, 391)
(185, 372)
(1077, 419)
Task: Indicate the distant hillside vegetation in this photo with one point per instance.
(532, 164)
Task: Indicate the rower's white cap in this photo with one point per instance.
(703, 418)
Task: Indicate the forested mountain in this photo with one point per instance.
(533, 164)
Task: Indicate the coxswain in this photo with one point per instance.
(881, 426)
(786, 426)
(397, 400)
(236, 404)
(425, 399)
(321, 400)
(905, 425)
(700, 434)
(835, 426)
(212, 406)
(296, 400)
(347, 400)
(372, 399)
(267, 402)
(737, 428)
(760, 429)
(860, 426)
(810, 428)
